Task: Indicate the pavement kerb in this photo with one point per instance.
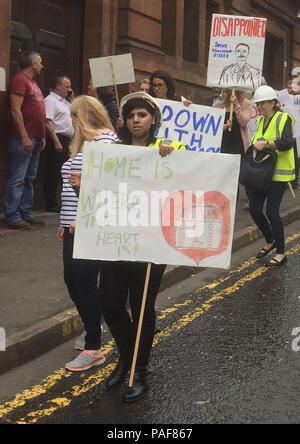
(49, 333)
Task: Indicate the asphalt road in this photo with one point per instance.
(227, 352)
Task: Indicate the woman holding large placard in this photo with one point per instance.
(142, 118)
(274, 131)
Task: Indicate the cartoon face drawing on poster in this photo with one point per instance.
(241, 73)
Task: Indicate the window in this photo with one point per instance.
(211, 8)
(191, 31)
(168, 44)
(273, 61)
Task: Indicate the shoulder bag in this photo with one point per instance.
(257, 168)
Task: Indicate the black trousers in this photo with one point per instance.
(54, 162)
(120, 281)
(81, 278)
(271, 226)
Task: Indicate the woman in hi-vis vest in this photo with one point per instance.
(274, 130)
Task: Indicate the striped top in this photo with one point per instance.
(69, 199)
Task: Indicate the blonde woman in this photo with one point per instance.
(90, 122)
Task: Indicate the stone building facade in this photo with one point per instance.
(172, 35)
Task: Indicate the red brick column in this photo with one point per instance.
(5, 18)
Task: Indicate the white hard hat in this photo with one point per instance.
(264, 93)
(147, 98)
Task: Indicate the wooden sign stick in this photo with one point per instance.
(115, 85)
(117, 96)
(139, 330)
(231, 109)
(291, 189)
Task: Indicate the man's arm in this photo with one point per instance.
(53, 135)
(16, 102)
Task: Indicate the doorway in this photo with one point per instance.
(53, 28)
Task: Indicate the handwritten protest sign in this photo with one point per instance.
(199, 128)
(135, 205)
(236, 52)
(289, 104)
(114, 70)
(2, 79)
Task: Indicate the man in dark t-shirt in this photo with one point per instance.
(26, 141)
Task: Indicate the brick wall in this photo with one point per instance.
(4, 63)
(170, 35)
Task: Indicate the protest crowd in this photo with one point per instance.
(60, 123)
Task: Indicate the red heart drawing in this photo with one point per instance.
(197, 227)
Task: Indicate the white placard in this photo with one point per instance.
(114, 70)
(135, 205)
(236, 52)
(288, 104)
(2, 80)
(291, 104)
(199, 128)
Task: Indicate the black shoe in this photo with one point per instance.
(118, 376)
(264, 252)
(139, 388)
(275, 263)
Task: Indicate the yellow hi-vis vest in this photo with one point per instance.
(175, 145)
(285, 166)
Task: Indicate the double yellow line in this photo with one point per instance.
(53, 405)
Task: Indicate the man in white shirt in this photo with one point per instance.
(60, 131)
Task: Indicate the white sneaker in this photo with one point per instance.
(84, 362)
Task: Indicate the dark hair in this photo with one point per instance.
(277, 106)
(124, 133)
(27, 58)
(171, 94)
(59, 79)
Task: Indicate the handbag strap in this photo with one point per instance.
(262, 160)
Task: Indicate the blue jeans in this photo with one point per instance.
(18, 198)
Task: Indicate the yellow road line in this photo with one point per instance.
(38, 390)
(100, 376)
